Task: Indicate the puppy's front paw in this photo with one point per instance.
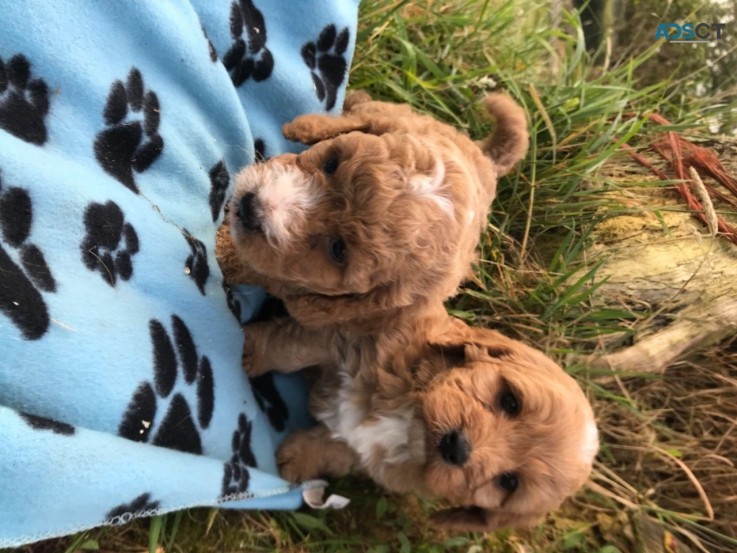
(294, 460)
(299, 130)
(313, 128)
(253, 354)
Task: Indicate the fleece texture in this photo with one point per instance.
(121, 126)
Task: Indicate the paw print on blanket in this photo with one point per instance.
(270, 401)
(247, 58)
(42, 423)
(219, 181)
(24, 102)
(259, 148)
(235, 473)
(326, 60)
(233, 303)
(131, 139)
(196, 264)
(109, 243)
(23, 279)
(210, 46)
(140, 506)
(178, 429)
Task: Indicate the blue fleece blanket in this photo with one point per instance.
(121, 126)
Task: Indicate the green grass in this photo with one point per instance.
(535, 281)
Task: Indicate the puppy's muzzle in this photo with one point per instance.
(454, 448)
(250, 212)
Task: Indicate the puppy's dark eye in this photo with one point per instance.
(509, 403)
(497, 352)
(337, 250)
(508, 481)
(330, 165)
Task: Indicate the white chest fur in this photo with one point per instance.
(382, 438)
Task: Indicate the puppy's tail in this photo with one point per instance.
(509, 140)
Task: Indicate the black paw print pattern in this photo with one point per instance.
(109, 243)
(247, 58)
(129, 144)
(42, 423)
(210, 47)
(269, 401)
(233, 304)
(125, 512)
(196, 264)
(235, 471)
(326, 60)
(24, 102)
(179, 428)
(259, 148)
(20, 299)
(219, 181)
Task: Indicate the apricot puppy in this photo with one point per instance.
(379, 218)
(487, 423)
(363, 236)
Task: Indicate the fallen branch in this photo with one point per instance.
(696, 328)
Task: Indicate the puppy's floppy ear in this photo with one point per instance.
(458, 341)
(478, 519)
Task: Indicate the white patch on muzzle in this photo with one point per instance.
(285, 194)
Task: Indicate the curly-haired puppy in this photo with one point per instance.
(463, 414)
(363, 236)
(380, 217)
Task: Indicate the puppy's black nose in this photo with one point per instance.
(249, 212)
(454, 448)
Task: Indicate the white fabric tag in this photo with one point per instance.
(314, 498)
